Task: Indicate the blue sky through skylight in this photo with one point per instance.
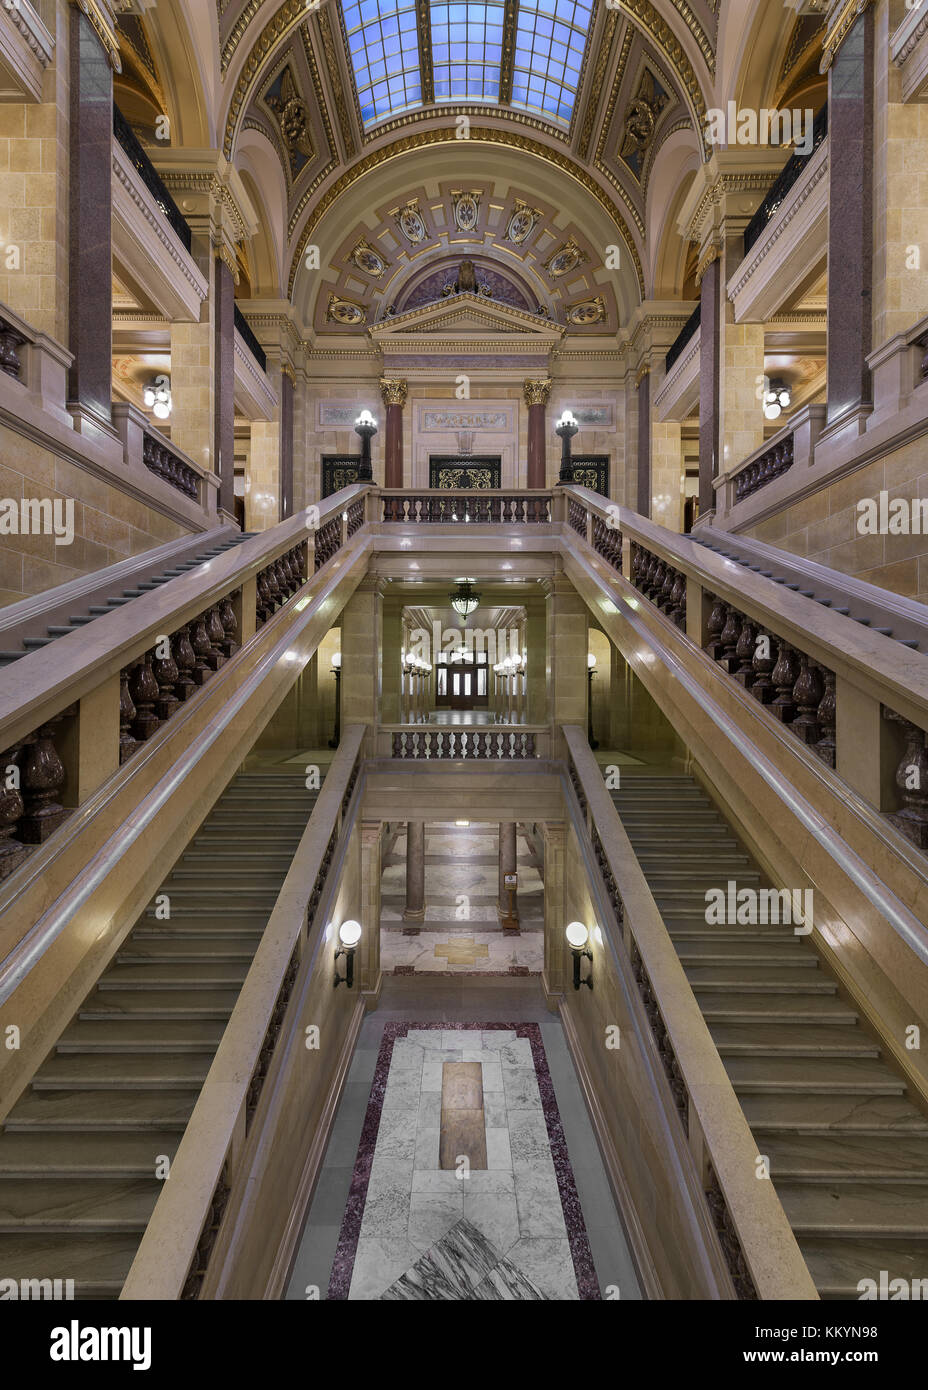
(384, 50)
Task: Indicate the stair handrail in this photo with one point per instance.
(46, 681)
(182, 1228)
(748, 1216)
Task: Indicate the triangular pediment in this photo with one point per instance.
(466, 316)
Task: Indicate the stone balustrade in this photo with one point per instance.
(659, 581)
(278, 582)
(494, 744)
(167, 463)
(446, 507)
(328, 540)
(771, 464)
(33, 778)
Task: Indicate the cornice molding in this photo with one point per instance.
(101, 18)
(782, 218)
(30, 28)
(124, 171)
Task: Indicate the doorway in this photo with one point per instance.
(462, 681)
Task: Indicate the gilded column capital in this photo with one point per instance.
(393, 390)
(537, 390)
(101, 16)
(841, 19)
(712, 254)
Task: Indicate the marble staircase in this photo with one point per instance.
(84, 1151)
(846, 1141)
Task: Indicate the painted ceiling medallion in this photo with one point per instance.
(466, 209)
(565, 259)
(369, 260)
(344, 311)
(292, 114)
(522, 222)
(640, 121)
(587, 312)
(411, 222)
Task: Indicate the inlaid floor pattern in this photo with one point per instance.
(848, 1149)
(78, 1151)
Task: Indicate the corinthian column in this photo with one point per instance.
(393, 393)
(536, 393)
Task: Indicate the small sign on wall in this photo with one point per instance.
(511, 881)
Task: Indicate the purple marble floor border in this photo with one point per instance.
(343, 1264)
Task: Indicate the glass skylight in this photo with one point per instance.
(467, 47)
(384, 50)
(550, 38)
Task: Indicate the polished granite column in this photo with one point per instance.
(709, 382)
(393, 394)
(643, 495)
(414, 910)
(224, 393)
(371, 870)
(536, 395)
(90, 205)
(286, 443)
(850, 220)
(507, 865)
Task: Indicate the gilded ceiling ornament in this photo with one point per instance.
(565, 259)
(393, 390)
(292, 116)
(411, 222)
(335, 77)
(537, 391)
(521, 222)
(100, 22)
(366, 258)
(466, 208)
(344, 311)
(842, 26)
(640, 119)
(587, 312)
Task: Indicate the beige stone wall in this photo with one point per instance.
(192, 396)
(34, 197)
(109, 525)
(900, 193)
(666, 476)
(823, 527)
(742, 418)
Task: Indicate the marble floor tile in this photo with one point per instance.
(492, 1077)
(548, 1265)
(402, 1091)
(377, 1263)
(396, 1136)
(538, 1202)
(432, 1215)
(520, 1087)
(499, 1153)
(429, 1116)
(495, 1214)
(528, 1136)
(427, 1143)
(494, 1109)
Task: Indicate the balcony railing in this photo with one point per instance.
(449, 506)
(150, 177)
(254, 347)
(682, 338)
(792, 170)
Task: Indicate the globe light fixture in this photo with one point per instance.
(777, 398)
(565, 429)
(366, 427)
(349, 935)
(577, 939)
(464, 599)
(157, 397)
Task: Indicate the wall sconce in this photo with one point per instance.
(591, 672)
(366, 427)
(349, 934)
(577, 938)
(565, 429)
(337, 673)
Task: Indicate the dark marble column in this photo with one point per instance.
(643, 496)
(90, 212)
(710, 330)
(850, 194)
(508, 858)
(536, 395)
(224, 389)
(414, 910)
(393, 394)
(286, 445)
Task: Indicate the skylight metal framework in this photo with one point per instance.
(411, 53)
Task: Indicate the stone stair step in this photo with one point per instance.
(840, 1267)
(817, 1114)
(752, 954)
(98, 1264)
(164, 1070)
(184, 928)
(156, 1004)
(219, 975)
(101, 1110)
(825, 1010)
(181, 949)
(25, 1154)
(827, 1158)
(791, 1040)
(828, 1075)
(142, 1035)
(881, 1210)
(66, 1205)
(773, 979)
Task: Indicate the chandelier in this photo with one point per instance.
(464, 598)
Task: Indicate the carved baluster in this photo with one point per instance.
(263, 606)
(912, 781)
(273, 588)
(826, 715)
(664, 599)
(763, 662)
(729, 640)
(164, 669)
(678, 599)
(808, 692)
(42, 777)
(283, 581)
(200, 642)
(127, 712)
(744, 652)
(715, 625)
(186, 660)
(229, 627)
(784, 676)
(12, 852)
(144, 691)
(217, 636)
